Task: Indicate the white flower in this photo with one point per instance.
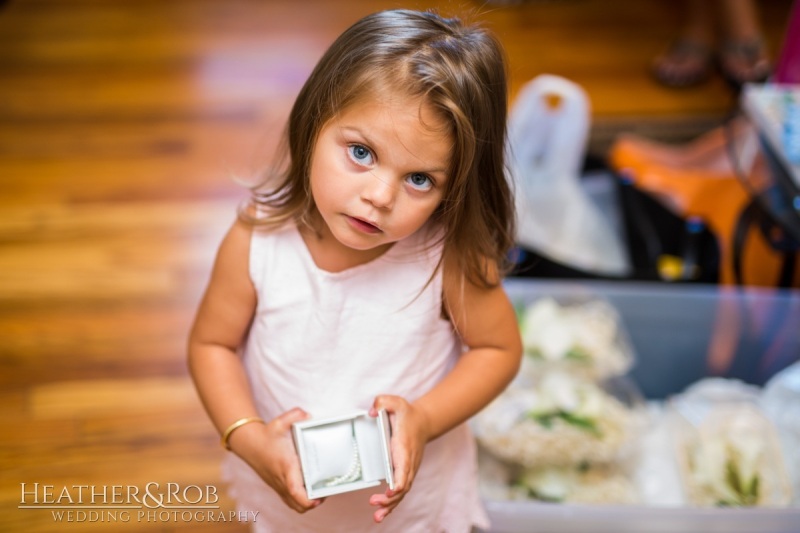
(548, 483)
(727, 461)
(560, 391)
(586, 334)
(545, 330)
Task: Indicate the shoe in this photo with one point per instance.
(744, 61)
(686, 62)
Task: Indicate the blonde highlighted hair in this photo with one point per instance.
(458, 69)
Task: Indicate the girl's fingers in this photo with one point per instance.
(287, 480)
(298, 499)
(392, 404)
(298, 494)
(384, 500)
(406, 451)
(387, 505)
(404, 462)
(298, 507)
(380, 515)
(290, 417)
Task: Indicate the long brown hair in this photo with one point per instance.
(460, 70)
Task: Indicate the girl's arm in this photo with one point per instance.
(219, 329)
(487, 324)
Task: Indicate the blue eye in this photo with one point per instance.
(420, 182)
(360, 154)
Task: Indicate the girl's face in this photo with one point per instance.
(378, 171)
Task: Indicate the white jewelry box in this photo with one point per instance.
(344, 453)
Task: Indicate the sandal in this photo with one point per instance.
(745, 61)
(686, 62)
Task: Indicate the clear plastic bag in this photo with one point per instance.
(585, 337)
(548, 129)
(781, 402)
(727, 449)
(562, 420)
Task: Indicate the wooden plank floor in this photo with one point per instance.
(122, 126)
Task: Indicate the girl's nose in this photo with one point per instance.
(379, 191)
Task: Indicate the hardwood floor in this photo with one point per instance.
(122, 126)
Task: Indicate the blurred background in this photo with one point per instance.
(123, 127)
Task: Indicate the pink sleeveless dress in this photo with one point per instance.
(329, 343)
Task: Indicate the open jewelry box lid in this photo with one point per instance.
(370, 442)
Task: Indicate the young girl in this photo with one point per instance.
(367, 276)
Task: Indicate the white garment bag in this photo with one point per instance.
(548, 131)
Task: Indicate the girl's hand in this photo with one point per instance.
(269, 450)
(410, 433)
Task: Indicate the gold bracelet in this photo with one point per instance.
(239, 423)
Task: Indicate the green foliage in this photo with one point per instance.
(586, 424)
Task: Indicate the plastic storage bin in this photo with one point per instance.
(680, 334)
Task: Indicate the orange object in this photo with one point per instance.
(697, 179)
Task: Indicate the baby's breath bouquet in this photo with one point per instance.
(727, 448)
(560, 420)
(569, 417)
(583, 338)
(584, 483)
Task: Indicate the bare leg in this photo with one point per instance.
(740, 20)
(687, 60)
(699, 21)
(743, 55)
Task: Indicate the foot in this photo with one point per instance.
(743, 61)
(686, 62)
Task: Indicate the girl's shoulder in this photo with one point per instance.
(274, 237)
(264, 225)
(263, 217)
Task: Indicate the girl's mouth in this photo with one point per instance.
(363, 225)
